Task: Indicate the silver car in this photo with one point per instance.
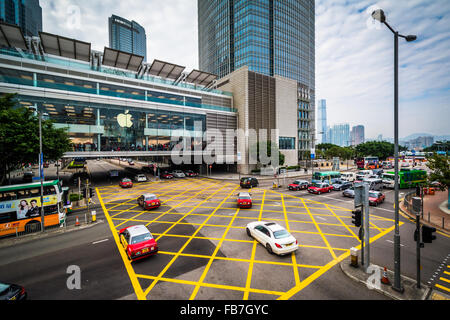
(178, 174)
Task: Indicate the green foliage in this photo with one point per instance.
(256, 150)
(440, 170)
(19, 137)
(380, 149)
(328, 151)
(75, 197)
(438, 146)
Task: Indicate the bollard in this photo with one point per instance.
(443, 222)
(354, 257)
(428, 216)
(94, 216)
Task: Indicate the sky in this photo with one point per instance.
(354, 54)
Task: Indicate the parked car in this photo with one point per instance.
(178, 174)
(378, 173)
(320, 187)
(149, 201)
(138, 242)
(249, 182)
(12, 292)
(28, 176)
(190, 173)
(126, 183)
(340, 185)
(298, 185)
(131, 162)
(166, 175)
(244, 200)
(274, 237)
(140, 178)
(350, 193)
(375, 198)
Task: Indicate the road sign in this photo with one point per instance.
(313, 156)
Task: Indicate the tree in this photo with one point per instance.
(19, 137)
(268, 144)
(440, 172)
(380, 149)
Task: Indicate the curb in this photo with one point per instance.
(412, 218)
(387, 293)
(28, 238)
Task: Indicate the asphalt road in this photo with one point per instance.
(41, 265)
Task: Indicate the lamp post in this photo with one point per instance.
(381, 17)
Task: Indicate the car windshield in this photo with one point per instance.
(149, 198)
(245, 197)
(141, 238)
(373, 195)
(4, 287)
(126, 180)
(281, 234)
(317, 185)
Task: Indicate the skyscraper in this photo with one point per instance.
(357, 135)
(27, 14)
(127, 36)
(322, 121)
(272, 38)
(340, 135)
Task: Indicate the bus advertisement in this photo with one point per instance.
(21, 207)
(406, 178)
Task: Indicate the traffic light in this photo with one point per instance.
(91, 192)
(356, 217)
(84, 192)
(427, 234)
(418, 193)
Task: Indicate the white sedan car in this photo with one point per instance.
(274, 237)
(178, 174)
(140, 178)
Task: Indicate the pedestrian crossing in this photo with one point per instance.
(441, 278)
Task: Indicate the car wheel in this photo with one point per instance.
(248, 232)
(269, 248)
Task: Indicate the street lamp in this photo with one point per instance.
(381, 17)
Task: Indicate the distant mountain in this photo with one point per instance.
(415, 136)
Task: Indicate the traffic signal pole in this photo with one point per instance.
(366, 227)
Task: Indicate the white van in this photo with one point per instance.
(348, 176)
(363, 174)
(375, 184)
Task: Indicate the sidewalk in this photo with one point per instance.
(435, 212)
(411, 292)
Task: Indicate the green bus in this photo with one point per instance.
(328, 176)
(406, 178)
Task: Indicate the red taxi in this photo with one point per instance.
(149, 201)
(244, 200)
(319, 188)
(126, 183)
(375, 198)
(138, 242)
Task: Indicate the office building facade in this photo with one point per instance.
(112, 108)
(127, 36)
(357, 135)
(340, 135)
(27, 14)
(270, 37)
(322, 121)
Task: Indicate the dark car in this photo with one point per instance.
(190, 173)
(249, 182)
(350, 193)
(12, 292)
(340, 185)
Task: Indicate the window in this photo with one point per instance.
(287, 143)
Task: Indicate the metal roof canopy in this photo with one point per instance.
(120, 59)
(165, 69)
(65, 47)
(201, 77)
(12, 36)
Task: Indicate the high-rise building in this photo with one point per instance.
(322, 121)
(270, 37)
(357, 135)
(27, 14)
(340, 135)
(127, 36)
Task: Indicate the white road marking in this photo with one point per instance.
(390, 241)
(97, 242)
(321, 218)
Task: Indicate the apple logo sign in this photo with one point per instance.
(124, 120)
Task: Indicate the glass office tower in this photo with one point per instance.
(271, 37)
(127, 36)
(27, 14)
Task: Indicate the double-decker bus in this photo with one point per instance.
(329, 176)
(406, 178)
(20, 207)
(372, 163)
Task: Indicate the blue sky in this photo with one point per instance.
(354, 55)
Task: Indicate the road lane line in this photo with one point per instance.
(100, 241)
